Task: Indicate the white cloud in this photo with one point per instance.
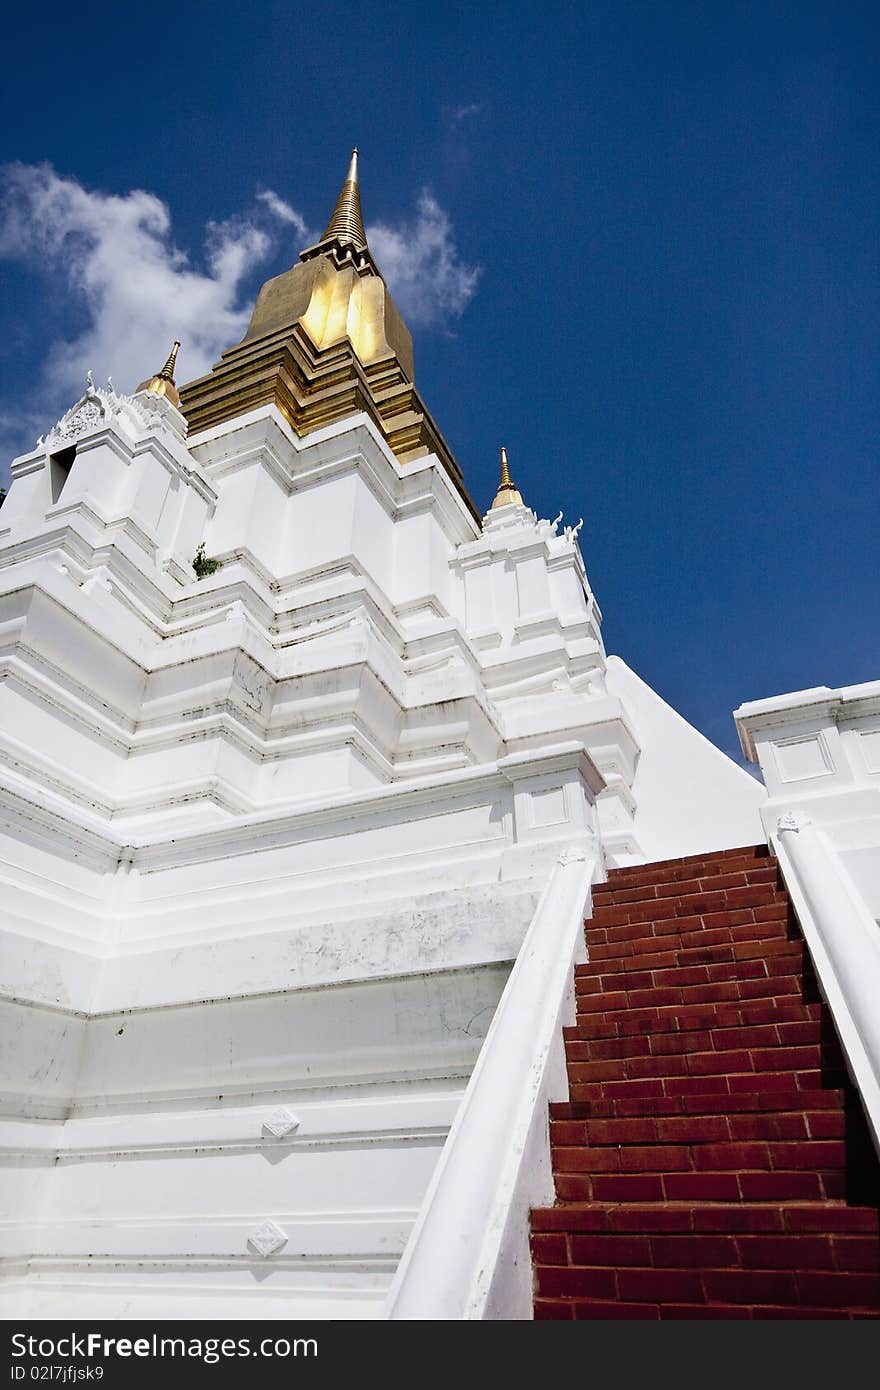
(285, 213)
(422, 264)
(140, 291)
(133, 290)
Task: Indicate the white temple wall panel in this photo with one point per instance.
(27, 502)
(568, 598)
(532, 585)
(250, 514)
(422, 552)
(156, 1167)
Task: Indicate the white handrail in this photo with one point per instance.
(844, 942)
(468, 1254)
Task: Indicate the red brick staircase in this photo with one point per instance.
(713, 1160)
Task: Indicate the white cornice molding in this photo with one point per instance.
(843, 705)
(47, 813)
(273, 826)
(264, 435)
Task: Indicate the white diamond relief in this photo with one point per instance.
(281, 1122)
(267, 1239)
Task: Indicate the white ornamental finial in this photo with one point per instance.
(90, 380)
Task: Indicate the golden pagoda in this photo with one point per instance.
(162, 384)
(325, 341)
(507, 494)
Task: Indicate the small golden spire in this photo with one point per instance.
(507, 494)
(167, 372)
(347, 223)
(162, 384)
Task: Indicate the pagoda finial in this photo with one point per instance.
(507, 494)
(167, 372)
(162, 384)
(347, 223)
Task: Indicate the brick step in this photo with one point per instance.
(778, 1288)
(646, 1217)
(658, 880)
(826, 1250)
(754, 1185)
(745, 961)
(754, 1062)
(595, 1309)
(718, 1102)
(708, 1156)
(687, 906)
(692, 866)
(759, 919)
(704, 948)
(683, 1018)
(740, 873)
(745, 890)
(746, 980)
(752, 1084)
(632, 951)
(750, 1127)
(707, 1039)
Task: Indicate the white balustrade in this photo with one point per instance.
(844, 942)
(468, 1256)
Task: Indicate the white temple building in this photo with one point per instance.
(281, 831)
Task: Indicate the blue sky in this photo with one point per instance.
(636, 242)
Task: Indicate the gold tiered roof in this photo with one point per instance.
(326, 341)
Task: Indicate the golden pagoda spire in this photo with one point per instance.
(162, 384)
(347, 223)
(326, 341)
(507, 494)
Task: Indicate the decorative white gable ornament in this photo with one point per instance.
(135, 415)
(88, 414)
